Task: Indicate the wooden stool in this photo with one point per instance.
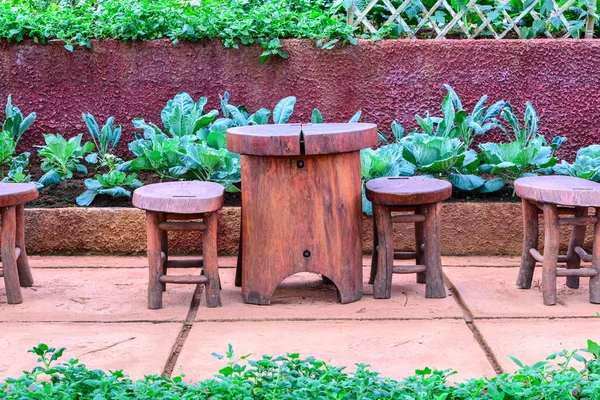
(15, 265)
(169, 207)
(555, 196)
(422, 198)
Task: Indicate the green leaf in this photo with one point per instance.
(466, 182)
(355, 117)
(86, 198)
(261, 117)
(491, 185)
(316, 117)
(283, 110)
(49, 178)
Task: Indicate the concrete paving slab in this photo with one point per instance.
(532, 340)
(91, 295)
(394, 348)
(304, 296)
(139, 349)
(491, 293)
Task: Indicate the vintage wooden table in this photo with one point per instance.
(301, 204)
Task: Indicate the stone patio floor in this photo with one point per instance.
(96, 307)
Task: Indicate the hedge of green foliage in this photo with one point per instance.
(233, 21)
(563, 376)
(236, 22)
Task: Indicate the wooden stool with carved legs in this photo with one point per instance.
(562, 200)
(15, 264)
(419, 198)
(172, 206)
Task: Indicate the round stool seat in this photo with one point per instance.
(414, 190)
(12, 194)
(185, 197)
(562, 190)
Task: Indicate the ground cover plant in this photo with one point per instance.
(563, 375)
(245, 22)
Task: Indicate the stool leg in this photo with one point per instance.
(155, 288)
(382, 287)
(551, 247)
(530, 241)
(419, 240)
(9, 262)
(577, 238)
(434, 286)
(374, 255)
(238, 269)
(595, 280)
(164, 247)
(25, 276)
(209, 254)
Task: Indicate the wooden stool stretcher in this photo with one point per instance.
(421, 198)
(173, 206)
(562, 200)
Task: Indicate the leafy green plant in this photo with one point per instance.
(456, 123)
(386, 160)
(61, 158)
(232, 22)
(527, 152)
(159, 155)
(441, 157)
(317, 118)
(7, 149)
(180, 117)
(240, 116)
(18, 172)
(111, 184)
(572, 374)
(586, 165)
(16, 123)
(193, 144)
(105, 139)
(211, 161)
(271, 48)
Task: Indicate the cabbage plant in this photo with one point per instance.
(526, 154)
(191, 144)
(457, 123)
(586, 165)
(105, 139)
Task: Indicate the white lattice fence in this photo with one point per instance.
(475, 20)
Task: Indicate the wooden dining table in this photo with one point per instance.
(301, 205)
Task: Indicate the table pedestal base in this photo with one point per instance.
(301, 214)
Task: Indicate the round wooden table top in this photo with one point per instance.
(301, 139)
(12, 194)
(413, 190)
(185, 197)
(561, 190)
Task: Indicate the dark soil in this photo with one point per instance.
(64, 194)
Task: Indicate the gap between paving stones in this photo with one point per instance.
(184, 332)
(470, 322)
